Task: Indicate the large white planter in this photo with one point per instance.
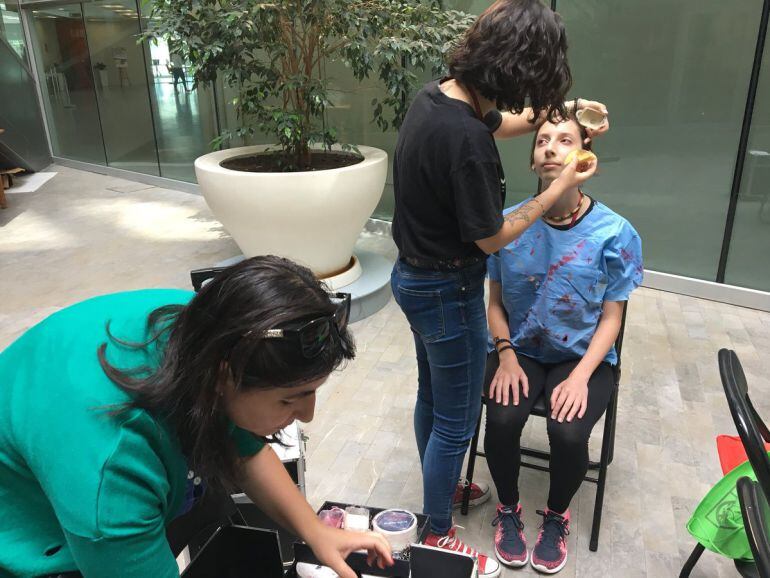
(311, 217)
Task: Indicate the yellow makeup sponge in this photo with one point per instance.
(584, 159)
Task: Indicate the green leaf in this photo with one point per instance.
(255, 50)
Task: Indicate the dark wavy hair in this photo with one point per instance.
(217, 336)
(515, 52)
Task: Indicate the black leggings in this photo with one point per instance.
(569, 440)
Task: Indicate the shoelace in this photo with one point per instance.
(463, 483)
(506, 517)
(553, 529)
(454, 544)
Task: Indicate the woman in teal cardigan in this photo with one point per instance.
(118, 413)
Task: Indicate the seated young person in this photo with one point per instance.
(556, 303)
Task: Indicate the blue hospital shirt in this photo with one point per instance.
(555, 281)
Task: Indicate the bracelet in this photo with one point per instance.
(542, 208)
(576, 106)
(499, 351)
(497, 340)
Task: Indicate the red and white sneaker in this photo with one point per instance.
(479, 493)
(550, 553)
(488, 567)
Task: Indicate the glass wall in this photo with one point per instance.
(185, 117)
(118, 69)
(11, 29)
(748, 264)
(351, 114)
(64, 70)
(674, 76)
(112, 101)
(24, 140)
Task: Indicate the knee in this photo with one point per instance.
(457, 432)
(504, 420)
(568, 435)
(454, 437)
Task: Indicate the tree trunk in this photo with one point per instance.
(303, 155)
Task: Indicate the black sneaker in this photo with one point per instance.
(510, 543)
(550, 553)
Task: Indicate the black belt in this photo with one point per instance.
(445, 264)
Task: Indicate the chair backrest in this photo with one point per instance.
(751, 428)
(756, 521)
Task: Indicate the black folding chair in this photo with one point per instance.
(540, 408)
(756, 519)
(753, 433)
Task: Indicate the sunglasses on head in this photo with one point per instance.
(313, 335)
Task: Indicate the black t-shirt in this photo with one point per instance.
(448, 179)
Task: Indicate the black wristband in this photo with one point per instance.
(575, 107)
(499, 351)
(498, 340)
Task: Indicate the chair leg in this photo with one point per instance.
(602, 477)
(692, 560)
(612, 413)
(3, 202)
(471, 466)
(612, 445)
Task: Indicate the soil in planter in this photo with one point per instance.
(276, 162)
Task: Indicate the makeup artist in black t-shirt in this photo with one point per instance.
(449, 191)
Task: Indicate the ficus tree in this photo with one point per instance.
(273, 55)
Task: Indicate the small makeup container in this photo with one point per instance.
(356, 519)
(591, 118)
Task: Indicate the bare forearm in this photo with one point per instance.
(528, 213)
(268, 484)
(602, 341)
(520, 219)
(496, 315)
(498, 323)
(497, 318)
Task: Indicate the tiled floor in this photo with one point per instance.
(84, 234)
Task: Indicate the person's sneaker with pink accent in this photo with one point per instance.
(510, 543)
(488, 567)
(479, 493)
(550, 553)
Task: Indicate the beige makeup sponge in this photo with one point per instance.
(584, 159)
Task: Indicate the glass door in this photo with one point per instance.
(67, 83)
(117, 62)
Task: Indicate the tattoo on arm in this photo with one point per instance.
(523, 213)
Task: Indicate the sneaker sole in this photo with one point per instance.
(472, 502)
(514, 563)
(492, 575)
(544, 570)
